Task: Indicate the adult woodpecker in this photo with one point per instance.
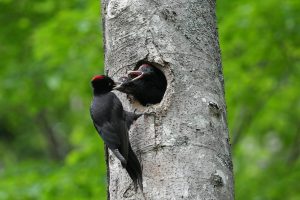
(147, 84)
(113, 123)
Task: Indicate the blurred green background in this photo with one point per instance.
(50, 49)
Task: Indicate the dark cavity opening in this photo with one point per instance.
(146, 83)
(153, 83)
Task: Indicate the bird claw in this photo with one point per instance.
(149, 113)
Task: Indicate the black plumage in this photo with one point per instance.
(113, 123)
(147, 84)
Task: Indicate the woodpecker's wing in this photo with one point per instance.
(110, 135)
(110, 121)
(118, 145)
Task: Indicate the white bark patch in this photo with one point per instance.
(115, 7)
(222, 175)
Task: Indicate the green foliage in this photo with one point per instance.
(49, 51)
(260, 47)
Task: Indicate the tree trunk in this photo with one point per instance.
(183, 142)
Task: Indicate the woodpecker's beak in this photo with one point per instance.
(135, 74)
(118, 87)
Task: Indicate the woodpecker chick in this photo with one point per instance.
(147, 84)
(113, 123)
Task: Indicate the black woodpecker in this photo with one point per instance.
(113, 123)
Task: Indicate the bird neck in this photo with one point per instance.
(100, 91)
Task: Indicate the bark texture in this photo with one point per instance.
(182, 142)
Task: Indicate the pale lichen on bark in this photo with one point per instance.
(182, 142)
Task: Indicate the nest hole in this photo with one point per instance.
(149, 85)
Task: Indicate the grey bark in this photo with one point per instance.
(182, 142)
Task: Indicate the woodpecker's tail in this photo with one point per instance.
(134, 169)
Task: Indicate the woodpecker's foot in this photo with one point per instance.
(149, 113)
(137, 114)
